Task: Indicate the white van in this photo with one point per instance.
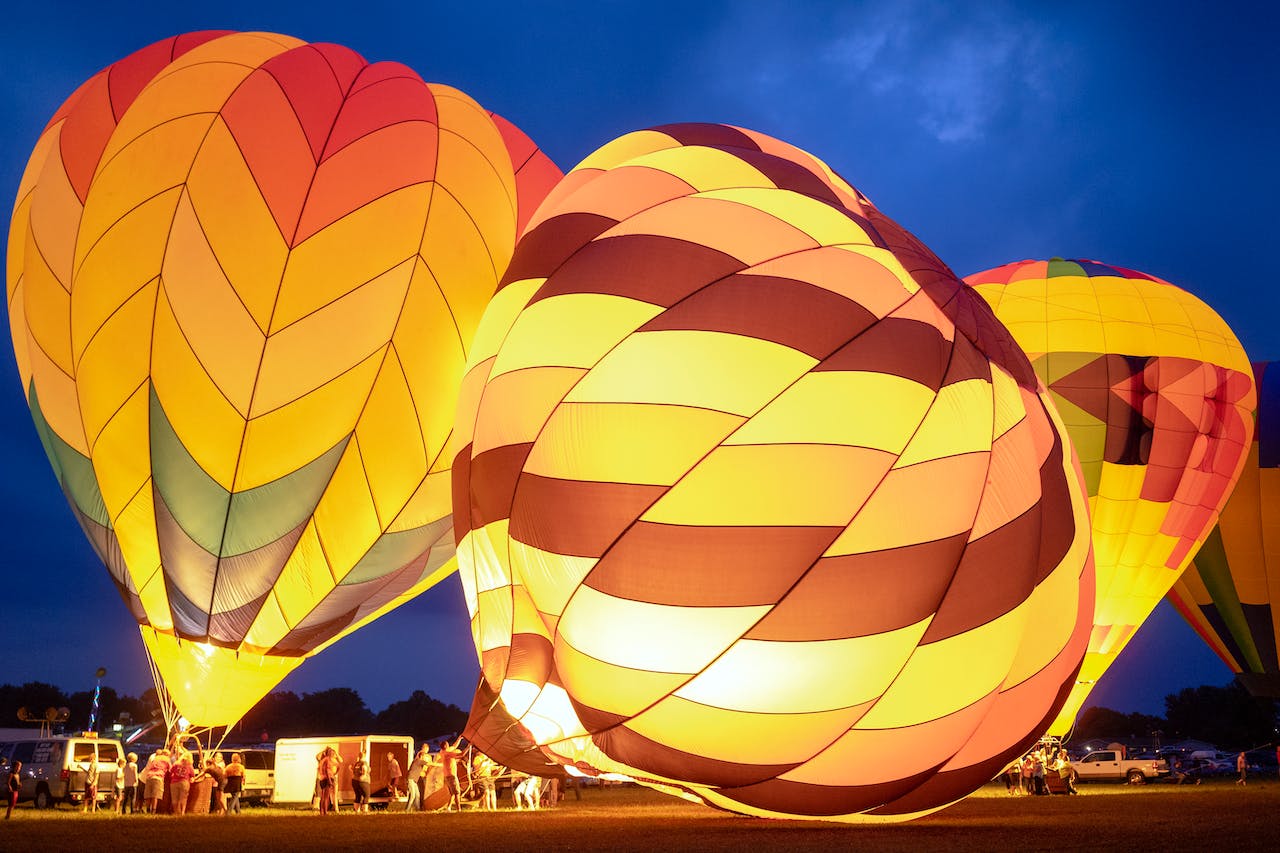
(296, 765)
(259, 773)
(51, 771)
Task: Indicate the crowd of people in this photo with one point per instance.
(174, 771)
(1031, 773)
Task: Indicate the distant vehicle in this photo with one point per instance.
(1106, 764)
(259, 773)
(51, 771)
(295, 768)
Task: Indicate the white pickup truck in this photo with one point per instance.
(1106, 764)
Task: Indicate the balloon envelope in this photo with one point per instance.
(242, 307)
(1156, 394)
(1227, 593)
(758, 503)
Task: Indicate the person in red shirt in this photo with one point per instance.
(15, 785)
(449, 756)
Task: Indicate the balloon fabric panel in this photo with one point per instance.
(661, 568)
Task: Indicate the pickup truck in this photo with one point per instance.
(1106, 764)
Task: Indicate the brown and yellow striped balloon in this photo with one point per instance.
(757, 501)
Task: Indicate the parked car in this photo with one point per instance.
(51, 771)
(259, 774)
(1107, 764)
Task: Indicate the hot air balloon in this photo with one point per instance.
(1226, 594)
(1156, 394)
(244, 272)
(757, 502)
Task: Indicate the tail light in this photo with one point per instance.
(65, 775)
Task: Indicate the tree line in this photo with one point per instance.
(339, 710)
(1229, 717)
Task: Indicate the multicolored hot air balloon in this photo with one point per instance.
(1227, 593)
(757, 502)
(1157, 396)
(244, 272)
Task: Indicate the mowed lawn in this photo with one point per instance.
(1217, 815)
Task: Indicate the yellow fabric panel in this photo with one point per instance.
(959, 421)
(136, 532)
(48, 255)
(1021, 307)
(1119, 483)
(599, 321)
(1011, 401)
(890, 517)
(238, 222)
(210, 427)
(693, 368)
(124, 261)
(283, 441)
(943, 677)
(525, 398)
(155, 601)
(820, 221)
(624, 442)
(269, 626)
(18, 333)
(113, 367)
(1243, 538)
(1085, 334)
(1051, 611)
(432, 358)
(494, 615)
(16, 250)
(676, 639)
(816, 266)
(390, 444)
(466, 269)
(624, 148)
(730, 227)
(1012, 486)
(304, 356)
(431, 500)
(524, 615)
(325, 267)
(59, 399)
(551, 578)
(305, 579)
(609, 688)
(746, 738)
(498, 319)
(488, 564)
(214, 322)
(473, 167)
(551, 717)
(345, 518)
(188, 670)
(703, 169)
(803, 485)
(757, 676)
(816, 409)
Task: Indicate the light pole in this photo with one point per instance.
(97, 693)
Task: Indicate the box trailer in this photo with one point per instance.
(297, 761)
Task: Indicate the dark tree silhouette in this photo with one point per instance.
(422, 717)
(1228, 716)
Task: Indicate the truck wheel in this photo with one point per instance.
(1136, 777)
(43, 800)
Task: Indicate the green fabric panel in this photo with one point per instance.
(393, 551)
(73, 469)
(1058, 267)
(1211, 563)
(198, 503)
(264, 514)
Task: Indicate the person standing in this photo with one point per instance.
(393, 776)
(180, 776)
(417, 779)
(90, 769)
(216, 770)
(1242, 766)
(129, 777)
(154, 780)
(234, 776)
(15, 785)
(360, 780)
(449, 756)
(328, 773)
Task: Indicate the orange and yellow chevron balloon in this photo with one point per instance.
(1157, 396)
(244, 273)
(756, 501)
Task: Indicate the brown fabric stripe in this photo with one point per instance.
(857, 595)
(530, 658)
(949, 786)
(492, 730)
(788, 175)
(654, 269)
(803, 798)
(230, 626)
(708, 566)
(622, 744)
(793, 313)
(1058, 524)
(179, 552)
(906, 348)
(995, 575)
(967, 362)
(575, 517)
(540, 252)
(708, 135)
(492, 483)
(460, 488)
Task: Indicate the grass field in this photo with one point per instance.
(1215, 816)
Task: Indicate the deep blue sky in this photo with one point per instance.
(1140, 134)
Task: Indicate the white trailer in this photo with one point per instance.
(296, 763)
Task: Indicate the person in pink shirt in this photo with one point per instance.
(180, 776)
